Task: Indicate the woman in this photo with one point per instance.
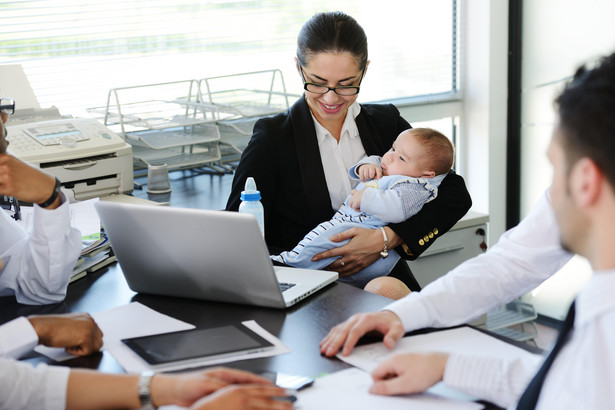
(300, 158)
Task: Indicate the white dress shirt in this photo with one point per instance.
(524, 257)
(338, 157)
(21, 385)
(38, 266)
(582, 375)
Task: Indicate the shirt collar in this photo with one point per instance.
(596, 298)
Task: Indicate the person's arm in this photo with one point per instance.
(37, 266)
(523, 258)
(90, 390)
(396, 204)
(494, 379)
(76, 332)
(435, 218)
(17, 338)
(25, 387)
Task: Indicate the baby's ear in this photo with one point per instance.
(428, 174)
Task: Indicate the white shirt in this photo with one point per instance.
(21, 385)
(582, 375)
(38, 266)
(337, 158)
(524, 257)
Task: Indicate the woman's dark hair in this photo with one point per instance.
(332, 32)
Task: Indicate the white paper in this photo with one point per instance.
(133, 363)
(460, 340)
(348, 389)
(124, 322)
(83, 216)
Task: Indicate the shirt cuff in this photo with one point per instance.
(56, 387)
(18, 338)
(411, 311)
(477, 375)
(48, 222)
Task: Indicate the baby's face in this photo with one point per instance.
(406, 157)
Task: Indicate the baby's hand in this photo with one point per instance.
(369, 171)
(355, 199)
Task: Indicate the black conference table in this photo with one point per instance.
(300, 327)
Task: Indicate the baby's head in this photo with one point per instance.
(419, 153)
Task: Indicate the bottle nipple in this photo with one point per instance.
(250, 185)
(250, 193)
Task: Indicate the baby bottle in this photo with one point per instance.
(251, 204)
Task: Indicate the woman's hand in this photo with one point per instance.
(363, 249)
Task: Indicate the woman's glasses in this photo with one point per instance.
(343, 90)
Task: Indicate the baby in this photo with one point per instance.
(392, 189)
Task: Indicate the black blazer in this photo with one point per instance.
(284, 159)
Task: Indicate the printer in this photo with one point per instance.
(88, 158)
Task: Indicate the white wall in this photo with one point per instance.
(483, 130)
(558, 36)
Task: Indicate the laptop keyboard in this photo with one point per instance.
(284, 286)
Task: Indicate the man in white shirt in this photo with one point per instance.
(583, 204)
(37, 267)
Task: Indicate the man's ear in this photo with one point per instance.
(428, 174)
(585, 182)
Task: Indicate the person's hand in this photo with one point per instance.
(362, 250)
(25, 182)
(77, 333)
(246, 396)
(186, 389)
(356, 197)
(3, 141)
(369, 171)
(348, 333)
(408, 373)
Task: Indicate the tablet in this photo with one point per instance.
(193, 345)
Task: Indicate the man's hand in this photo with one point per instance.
(25, 182)
(77, 333)
(369, 171)
(348, 333)
(408, 373)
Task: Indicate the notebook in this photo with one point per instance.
(202, 254)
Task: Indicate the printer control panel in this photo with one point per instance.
(61, 139)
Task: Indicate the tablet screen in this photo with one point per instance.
(197, 344)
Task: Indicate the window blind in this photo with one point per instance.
(73, 52)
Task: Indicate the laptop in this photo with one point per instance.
(202, 254)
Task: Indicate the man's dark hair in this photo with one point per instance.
(586, 111)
